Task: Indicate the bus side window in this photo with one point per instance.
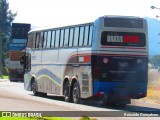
(37, 39)
(29, 62)
(76, 37)
(41, 40)
(45, 40)
(53, 39)
(71, 37)
(61, 38)
(90, 35)
(66, 37)
(57, 38)
(81, 36)
(29, 42)
(34, 40)
(49, 39)
(86, 35)
(27, 65)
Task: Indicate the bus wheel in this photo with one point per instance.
(76, 93)
(42, 94)
(34, 88)
(67, 93)
(13, 80)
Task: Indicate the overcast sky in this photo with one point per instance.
(67, 12)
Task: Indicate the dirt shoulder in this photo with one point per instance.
(153, 91)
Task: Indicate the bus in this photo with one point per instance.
(106, 60)
(19, 34)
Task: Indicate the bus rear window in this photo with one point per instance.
(123, 22)
(123, 39)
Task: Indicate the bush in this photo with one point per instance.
(5, 71)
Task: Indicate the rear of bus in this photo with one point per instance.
(120, 63)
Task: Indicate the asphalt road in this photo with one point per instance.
(13, 97)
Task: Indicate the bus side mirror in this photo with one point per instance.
(22, 60)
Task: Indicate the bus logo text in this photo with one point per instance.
(122, 39)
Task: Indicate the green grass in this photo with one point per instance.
(4, 77)
(87, 118)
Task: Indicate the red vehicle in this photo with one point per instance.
(15, 68)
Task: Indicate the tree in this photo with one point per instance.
(6, 18)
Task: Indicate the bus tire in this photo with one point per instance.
(76, 93)
(67, 93)
(13, 80)
(41, 94)
(34, 88)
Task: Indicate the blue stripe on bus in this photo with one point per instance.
(112, 87)
(50, 74)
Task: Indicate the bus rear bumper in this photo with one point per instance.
(120, 90)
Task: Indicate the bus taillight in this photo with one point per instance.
(99, 94)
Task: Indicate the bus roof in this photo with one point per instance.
(52, 28)
(106, 16)
(119, 16)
